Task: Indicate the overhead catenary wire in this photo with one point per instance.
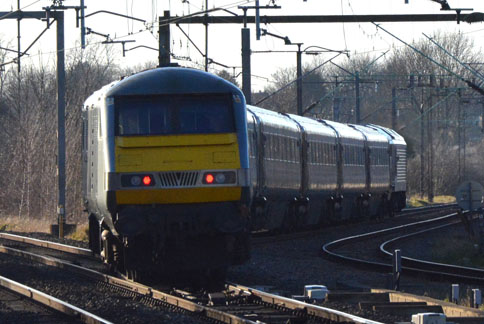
(468, 82)
(465, 66)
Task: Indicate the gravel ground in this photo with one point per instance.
(112, 304)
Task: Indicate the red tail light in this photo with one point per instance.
(209, 178)
(146, 180)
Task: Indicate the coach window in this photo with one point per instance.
(286, 148)
(273, 146)
(266, 146)
(332, 154)
(327, 156)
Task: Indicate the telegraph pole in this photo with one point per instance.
(164, 41)
(336, 100)
(464, 144)
(18, 41)
(422, 133)
(61, 131)
(299, 83)
(83, 26)
(246, 69)
(394, 108)
(431, 148)
(206, 37)
(459, 141)
(357, 99)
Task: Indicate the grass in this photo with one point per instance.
(458, 250)
(81, 233)
(32, 225)
(22, 224)
(417, 201)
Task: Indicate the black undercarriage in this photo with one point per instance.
(173, 243)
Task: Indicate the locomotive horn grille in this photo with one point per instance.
(179, 179)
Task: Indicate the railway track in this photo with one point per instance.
(266, 237)
(236, 304)
(445, 271)
(409, 265)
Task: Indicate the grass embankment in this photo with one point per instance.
(460, 250)
(33, 225)
(417, 201)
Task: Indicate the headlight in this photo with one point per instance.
(220, 178)
(135, 181)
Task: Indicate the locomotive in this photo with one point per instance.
(178, 170)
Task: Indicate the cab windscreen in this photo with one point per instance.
(174, 114)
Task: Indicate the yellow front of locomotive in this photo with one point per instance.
(178, 169)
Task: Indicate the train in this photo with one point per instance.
(178, 171)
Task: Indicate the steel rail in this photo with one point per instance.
(435, 207)
(409, 265)
(450, 271)
(46, 244)
(327, 248)
(52, 302)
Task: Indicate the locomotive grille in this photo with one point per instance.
(178, 179)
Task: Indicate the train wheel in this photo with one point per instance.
(328, 212)
(94, 235)
(288, 224)
(391, 208)
(216, 278)
(365, 210)
(381, 209)
(138, 259)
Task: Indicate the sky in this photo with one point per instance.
(225, 40)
